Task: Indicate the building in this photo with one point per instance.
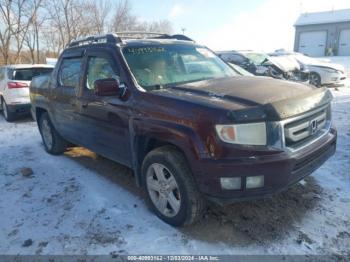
(323, 33)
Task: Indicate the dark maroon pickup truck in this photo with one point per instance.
(190, 127)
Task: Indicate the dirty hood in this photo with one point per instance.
(260, 97)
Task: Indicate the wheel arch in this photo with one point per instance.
(145, 139)
(38, 112)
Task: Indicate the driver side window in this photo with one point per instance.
(99, 68)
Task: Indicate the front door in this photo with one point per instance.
(105, 119)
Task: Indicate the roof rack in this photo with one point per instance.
(138, 34)
(151, 35)
(108, 38)
(117, 38)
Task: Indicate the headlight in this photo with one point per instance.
(243, 134)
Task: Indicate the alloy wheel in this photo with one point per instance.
(163, 190)
(46, 133)
(315, 80)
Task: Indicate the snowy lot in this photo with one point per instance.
(80, 203)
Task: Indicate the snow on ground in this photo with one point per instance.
(80, 203)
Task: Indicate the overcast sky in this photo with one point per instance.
(235, 24)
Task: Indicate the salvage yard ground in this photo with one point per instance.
(80, 203)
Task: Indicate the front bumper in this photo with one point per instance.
(333, 80)
(280, 171)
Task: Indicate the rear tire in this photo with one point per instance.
(174, 197)
(8, 115)
(54, 144)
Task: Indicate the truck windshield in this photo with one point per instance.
(169, 65)
(26, 74)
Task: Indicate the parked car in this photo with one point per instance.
(186, 123)
(14, 88)
(262, 64)
(321, 73)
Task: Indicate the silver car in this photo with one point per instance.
(321, 73)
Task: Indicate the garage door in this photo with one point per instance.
(344, 42)
(313, 43)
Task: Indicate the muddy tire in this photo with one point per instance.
(170, 187)
(8, 115)
(53, 142)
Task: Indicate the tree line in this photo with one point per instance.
(31, 30)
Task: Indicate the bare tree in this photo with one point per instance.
(24, 12)
(122, 18)
(71, 19)
(6, 29)
(31, 28)
(99, 13)
(32, 37)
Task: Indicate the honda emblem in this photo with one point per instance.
(313, 126)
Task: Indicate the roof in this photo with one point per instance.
(334, 16)
(24, 66)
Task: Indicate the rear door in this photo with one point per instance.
(63, 96)
(105, 120)
(313, 43)
(2, 79)
(344, 43)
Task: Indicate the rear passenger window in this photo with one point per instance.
(70, 71)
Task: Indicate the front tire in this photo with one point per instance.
(315, 79)
(171, 188)
(8, 115)
(54, 144)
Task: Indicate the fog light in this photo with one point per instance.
(254, 182)
(230, 183)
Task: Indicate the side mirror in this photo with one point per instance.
(107, 87)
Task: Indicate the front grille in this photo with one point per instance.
(306, 128)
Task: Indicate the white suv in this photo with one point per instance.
(14, 88)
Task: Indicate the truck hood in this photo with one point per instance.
(254, 97)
